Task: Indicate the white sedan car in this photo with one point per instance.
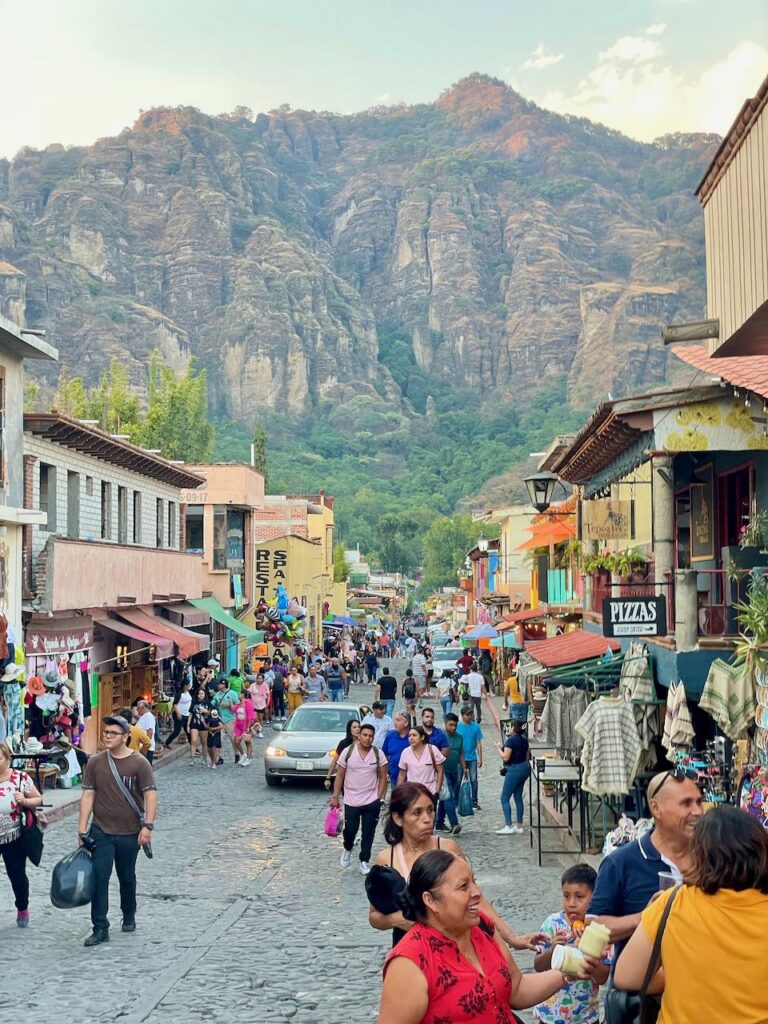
(303, 748)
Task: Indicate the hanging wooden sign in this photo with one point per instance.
(607, 519)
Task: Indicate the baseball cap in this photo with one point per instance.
(119, 722)
(466, 711)
(379, 705)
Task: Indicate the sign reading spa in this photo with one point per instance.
(270, 568)
(634, 616)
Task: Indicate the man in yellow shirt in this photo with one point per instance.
(138, 740)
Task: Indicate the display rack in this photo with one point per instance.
(565, 778)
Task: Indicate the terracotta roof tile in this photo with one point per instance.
(570, 648)
(748, 372)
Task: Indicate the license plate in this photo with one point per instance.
(305, 766)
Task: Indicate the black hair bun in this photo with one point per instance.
(387, 891)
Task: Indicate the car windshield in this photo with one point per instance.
(446, 654)
(321, 719)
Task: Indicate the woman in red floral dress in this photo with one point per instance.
(450, 968)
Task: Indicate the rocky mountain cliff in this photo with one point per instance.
(507, 245)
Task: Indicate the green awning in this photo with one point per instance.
(222, 616)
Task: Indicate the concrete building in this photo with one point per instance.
(16, 345)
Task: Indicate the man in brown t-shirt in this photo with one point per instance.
(116, 832)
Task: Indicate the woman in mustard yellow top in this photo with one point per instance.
(713, 951)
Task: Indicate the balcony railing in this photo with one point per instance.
(602, 587)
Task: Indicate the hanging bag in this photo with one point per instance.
(72, 883)
(465, 808)
(638, 1007)
(333, 822)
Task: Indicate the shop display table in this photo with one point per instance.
(55, 755)
(565, 777)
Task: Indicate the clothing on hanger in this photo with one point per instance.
(729, 697)
(678, 729)
(564, 707)
(612, 750)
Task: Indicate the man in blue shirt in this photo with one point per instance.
(472, 735)
(395, 742)
(435, 736)
(629, 877)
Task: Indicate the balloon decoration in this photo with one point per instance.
(280, 618)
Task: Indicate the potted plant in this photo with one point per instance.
(598, 565)
(753, 532)
(752, 645)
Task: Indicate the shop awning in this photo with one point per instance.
(223, 617)
(58, 635)
(570, 648)
(552, 531)
(188, 643)
(163, 646)
(185, 614)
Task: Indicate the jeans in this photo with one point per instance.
(390, 708)
(337, 696)
(472, 772)
(478, 705)
(278, 703)
(446, 703)
(514, 784)
(16, 868)
(182, 722)
(368, 814)
(448, 807)
(120, 851)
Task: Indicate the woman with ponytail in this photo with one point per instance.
(451, 965)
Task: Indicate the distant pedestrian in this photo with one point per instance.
(147, 721)
(445, 692)
(137, 739)
(386, 691)
(278, 695)
(335, 678)
(224, 702)
(515, 755)
(215, 729)
(260, 695)
(314, 686)
(472, 735)
(116, 831)
(199, 712)
(245, 723)
(395, 742)
(294, 690)
(419, 667)
(17, 795)
(371, 663)
(361, 774)
(454, 770)
(380, 722)
(474, 682)
(409, 691)
(180, 713)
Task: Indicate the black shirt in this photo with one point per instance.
(387, 687)
(519, 747)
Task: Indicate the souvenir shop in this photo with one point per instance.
(603, 726)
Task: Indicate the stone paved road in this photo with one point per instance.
(244, 913)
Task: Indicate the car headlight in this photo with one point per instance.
(332, 753)
(275, 752)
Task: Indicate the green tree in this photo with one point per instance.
(398, 544)
(341, 566)
(31, 395)
(446, 543)
(71, 397)
(260, 451)
(112, 402)
(177, 414)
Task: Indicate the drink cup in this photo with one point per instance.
(567, 959)
(594, 940)
(666, 881)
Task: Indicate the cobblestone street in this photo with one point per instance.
(244, 913)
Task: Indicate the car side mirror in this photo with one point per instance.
(277, 726)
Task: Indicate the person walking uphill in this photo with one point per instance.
(119, 791)
(361, 772)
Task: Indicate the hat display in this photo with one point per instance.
(11, 673)
(51, 678)
(68, 703)
(118, 721)
(33, 746)
(35, 686)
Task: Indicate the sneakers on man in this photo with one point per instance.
(345, 858)
(98, 935)
(22, 919)
(507, 830)
(365, 867)
(456, 830)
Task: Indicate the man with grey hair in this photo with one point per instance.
(394, 744)
(148, 723)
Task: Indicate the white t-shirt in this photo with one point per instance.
(146, 722)
(475, 683)
(185, 703)
(381, 727)
(419, 665)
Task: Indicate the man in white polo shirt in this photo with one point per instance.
(361, 772)
(475, 681)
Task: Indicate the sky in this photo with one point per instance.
(77, 70)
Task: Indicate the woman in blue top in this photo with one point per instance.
(514, 754)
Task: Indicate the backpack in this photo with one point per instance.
(376, 752)
(409, 688)
(464, 690)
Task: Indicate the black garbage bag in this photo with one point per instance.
(72, 880)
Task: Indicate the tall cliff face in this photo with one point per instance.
(509, 244)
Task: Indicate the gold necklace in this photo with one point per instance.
(414, 849)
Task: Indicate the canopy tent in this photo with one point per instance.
(187, 615)
(188, 642)
(223, 617)
(342, 620)
(481, 632)
(550, 532)
(508, 641)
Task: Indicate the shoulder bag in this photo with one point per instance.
(638, 1007)
(131, 802)
(31, 831)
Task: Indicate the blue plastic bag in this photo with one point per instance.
(465, 808)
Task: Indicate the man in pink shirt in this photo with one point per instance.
(361, 772)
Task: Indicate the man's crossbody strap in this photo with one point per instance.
(124, 790)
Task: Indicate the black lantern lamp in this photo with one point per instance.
(541, 487)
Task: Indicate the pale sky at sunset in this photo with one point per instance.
(76, 70)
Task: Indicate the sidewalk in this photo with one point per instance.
(569, 844)
(60, 803)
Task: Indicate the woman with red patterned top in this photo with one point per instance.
(17, 794)
(450, 968)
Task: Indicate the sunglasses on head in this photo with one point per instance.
(678, 774)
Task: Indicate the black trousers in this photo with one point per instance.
(478, 703)
(278, 703)
(120, 852)
(368, 814)
(16, 868)
(178, 725)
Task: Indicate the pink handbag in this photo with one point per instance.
(333, 822)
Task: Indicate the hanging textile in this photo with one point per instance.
(611, 754)
(565, 706)
(729, 697)
(678, 729)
